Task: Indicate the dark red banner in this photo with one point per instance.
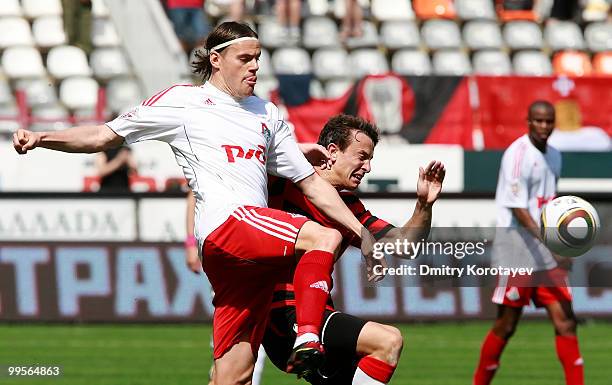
(474, 112)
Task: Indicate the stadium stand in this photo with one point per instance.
(411, 38)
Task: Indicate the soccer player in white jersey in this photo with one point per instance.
(227, 140)
(527, 180)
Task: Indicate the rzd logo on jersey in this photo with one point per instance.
(234, 152)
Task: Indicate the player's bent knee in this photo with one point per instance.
(395, 343)
(313, 236)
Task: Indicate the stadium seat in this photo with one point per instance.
(475, 9)
(441, 34)
(64, 61)
(22, 62)
(265, 64)
(271, 34)
(79, 92)
(291, 61)
(384, 10)
(49, 117)
(139, 183)
(562, 35)
(602, 64)
(9, 122)
(265, 86)
(10, 8)
(99, 8)
(108, 63)
(37, 8)
(531, 63)
(38, 92)
(49, 31)
(337, 87)
(320, 32)
(396, 34)
(15, 31)
(451, 63)
(369, 37)
(492, 63)
(103, 33)
(318, 7)
(523, 35)
(599, 36)
(482, 35)
(411, 62)
(595, 10)
(6, 95)
(328, 63)
(572, 63)
(367, 61)
(506, 15)
(434, 9)
(316, 90)
(123, 93)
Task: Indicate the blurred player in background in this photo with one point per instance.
(358, 352)
(527, 180)
(226, 140)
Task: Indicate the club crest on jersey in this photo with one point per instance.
(265, 131)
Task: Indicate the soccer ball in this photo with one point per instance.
(569, 226)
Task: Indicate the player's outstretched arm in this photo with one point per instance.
(429, 186)
(326, 199)
(85, 139)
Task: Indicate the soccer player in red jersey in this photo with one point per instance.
(357, 351)
(528, 178)
(227, 140)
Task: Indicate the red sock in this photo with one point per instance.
(490, 353)
(569, 355)
(311, 283)
(375, 369)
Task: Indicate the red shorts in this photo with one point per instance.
(244, 258)
(551, 287)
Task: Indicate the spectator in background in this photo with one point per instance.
(351, 23)
(77, 23)
(288, 13)
(114, 168)
(190, 22)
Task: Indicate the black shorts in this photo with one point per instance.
(339, 336)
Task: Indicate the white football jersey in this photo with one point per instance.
(225, 147)
(527, 179)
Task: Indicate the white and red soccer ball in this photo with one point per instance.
(569, 226)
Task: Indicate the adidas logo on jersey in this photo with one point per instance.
(209, 102)
(320, 285)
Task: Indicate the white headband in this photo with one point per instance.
(230, 42)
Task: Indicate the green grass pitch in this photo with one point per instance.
(434, 354)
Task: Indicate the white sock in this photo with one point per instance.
(306, 337)
(259, 366)
(361, 378)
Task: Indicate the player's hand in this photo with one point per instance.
(24, 140)
(372, 260)
(430, 181)
(316, 154)
(192, 260)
